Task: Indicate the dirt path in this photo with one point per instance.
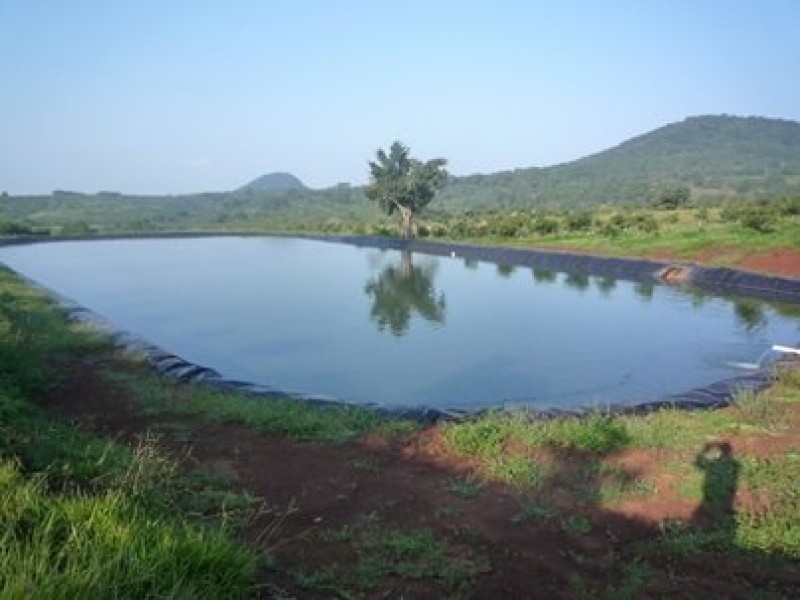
(509, 545)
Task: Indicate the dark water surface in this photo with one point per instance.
(363, 324)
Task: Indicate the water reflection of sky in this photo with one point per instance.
(371, 325)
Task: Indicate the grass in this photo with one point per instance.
(83, 517)
(383, 552)
(767, 529)
(618, 489)
(284, 417)
(464, 487)
(576, 525)
(71, 545)
(533, 512)
(776, 529)
(682, 233)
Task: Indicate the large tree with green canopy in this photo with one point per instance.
(404, 185)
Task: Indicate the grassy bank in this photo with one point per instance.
(722, 234)
(84, 517)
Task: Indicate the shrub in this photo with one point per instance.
(789, 207)
(545, 225)
(11, 228)
(645, 223)
(673, 198)
(759, 219)
(579, 221)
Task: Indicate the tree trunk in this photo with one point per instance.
(406, 222)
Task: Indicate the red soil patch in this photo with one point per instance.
(784, 261)
(404, 485)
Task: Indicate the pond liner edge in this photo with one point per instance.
(716, 395)
(721, 280)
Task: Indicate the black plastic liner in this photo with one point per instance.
(717, 280)
(716, 395)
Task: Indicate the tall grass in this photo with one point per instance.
(107, 544)
(81, 517)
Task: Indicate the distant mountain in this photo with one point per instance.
(717, 157)
(274, 181)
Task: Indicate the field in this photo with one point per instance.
(119, 483)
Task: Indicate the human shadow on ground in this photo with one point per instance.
(720, 482)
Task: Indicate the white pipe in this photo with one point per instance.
(786, 349)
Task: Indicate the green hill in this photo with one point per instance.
(716, 157)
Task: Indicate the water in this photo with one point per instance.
(368, 325)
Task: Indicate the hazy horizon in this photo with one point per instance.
(155, 98)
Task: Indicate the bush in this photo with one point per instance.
(609, 229)
(789, 207)
(76, 228)
(646, 223)
(673, 198)
(11, 228)
(759, 219)
(439, 230)
(545, 225)
(579, 221)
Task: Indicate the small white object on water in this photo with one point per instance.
(452, 255)
(757, 364)
(786, 349)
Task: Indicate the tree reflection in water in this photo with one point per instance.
(401, 290)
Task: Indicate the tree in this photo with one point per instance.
(401, 184)
(673, 198)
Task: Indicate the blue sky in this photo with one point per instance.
(175, 96)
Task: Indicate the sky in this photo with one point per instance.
(183, 96)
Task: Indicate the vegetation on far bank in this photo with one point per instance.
(726, 232)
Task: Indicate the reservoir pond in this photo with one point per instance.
(401, 329)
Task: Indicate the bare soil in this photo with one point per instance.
(405, 485)
(784, 262)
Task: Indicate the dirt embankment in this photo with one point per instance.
(577, 547)
(783, 262)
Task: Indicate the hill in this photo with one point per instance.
(717, 157)
(274, 181)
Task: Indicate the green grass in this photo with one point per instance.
(683, 233)
(487, 435)
(777, 528)
(534, 512)
(72, 545)
(576, 525)
(383, 553)
(285, 417)
(618, 489)
(468, 487)
(84, 517)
